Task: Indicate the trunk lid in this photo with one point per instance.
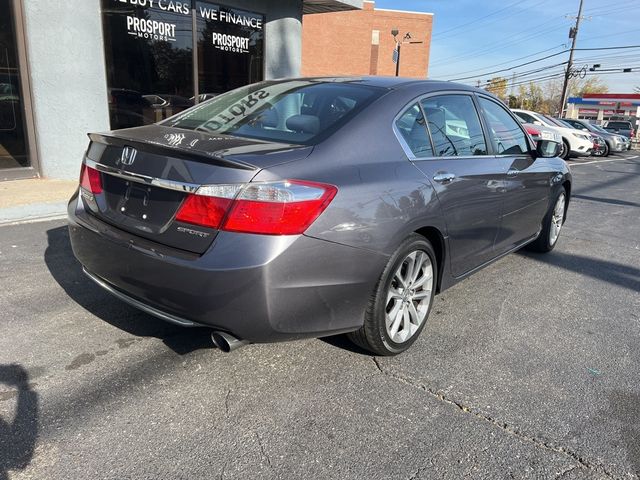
(148, 172)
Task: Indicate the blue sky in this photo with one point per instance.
(472, 37)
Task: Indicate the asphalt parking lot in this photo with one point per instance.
(529, 369)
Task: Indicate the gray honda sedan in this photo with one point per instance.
(314, 206)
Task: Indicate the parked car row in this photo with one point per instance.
(613, 143)
(579, 137)
(574, 143)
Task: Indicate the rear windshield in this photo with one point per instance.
(619, 125)
(296, 111)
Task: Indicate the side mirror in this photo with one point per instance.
(547, 149)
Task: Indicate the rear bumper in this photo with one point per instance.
(259, 288)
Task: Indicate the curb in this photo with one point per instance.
(33, 213)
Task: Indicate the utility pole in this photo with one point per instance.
(573, 34)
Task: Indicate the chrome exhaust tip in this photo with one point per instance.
(226, 342)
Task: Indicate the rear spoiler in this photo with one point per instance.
(161, 149)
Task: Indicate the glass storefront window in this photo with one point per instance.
(230, 48)
(14, 150)
(149, 57)
(149, 50)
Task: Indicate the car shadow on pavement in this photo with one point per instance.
(611, 201)
(343, 343)
(617, 273)
(18, 436)
(67, 272)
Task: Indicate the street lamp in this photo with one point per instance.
(396, 52)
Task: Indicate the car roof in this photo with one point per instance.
(394, 83)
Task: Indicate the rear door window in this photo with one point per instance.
(454, 125)
(506, 134)
(412, 127)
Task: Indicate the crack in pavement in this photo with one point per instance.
(226, 402)
(545, 445)
(263, 451)
(568, 470)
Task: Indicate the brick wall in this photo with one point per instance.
(359, 42)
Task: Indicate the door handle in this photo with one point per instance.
(512, 172)
(444, 177)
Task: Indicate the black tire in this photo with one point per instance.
(543, 243)
(373, 335)
(566, 150)
(607, 150)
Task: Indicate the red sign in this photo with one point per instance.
(608, 104)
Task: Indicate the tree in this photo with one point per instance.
(593, 84)
(530, 96)
(545, 97)
(497, 86)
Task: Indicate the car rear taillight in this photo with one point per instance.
(287, 207)
(205, 211)
(90, 179)
(532, 131)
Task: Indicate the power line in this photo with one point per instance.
(548, 67)
(509, 61)
(557, 75)
(498, 45)
(511, 68)
(623, 47)
(476, 20)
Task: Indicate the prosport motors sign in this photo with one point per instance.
(229, 29)
(230, 43)
(151, 29)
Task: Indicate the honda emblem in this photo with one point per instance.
(128, 155)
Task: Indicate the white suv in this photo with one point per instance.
(574, 142)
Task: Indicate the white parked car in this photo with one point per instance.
(574, 142)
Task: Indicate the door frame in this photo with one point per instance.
(27, 101)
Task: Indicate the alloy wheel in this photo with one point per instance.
(409, 296)
(557, 218)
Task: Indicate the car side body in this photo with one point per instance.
(472, 208)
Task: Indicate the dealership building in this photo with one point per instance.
(70, 67)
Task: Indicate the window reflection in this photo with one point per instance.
(149, 60)
(230, 48)
(14, 152)
(149, 56)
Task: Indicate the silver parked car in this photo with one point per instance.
(310, 207)
(613, 143)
